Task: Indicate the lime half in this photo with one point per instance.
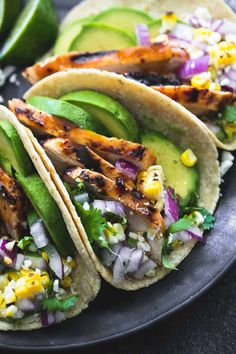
(32, 35)
(9, 10)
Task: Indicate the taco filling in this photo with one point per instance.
(192, 60)
(138, 203)
(37, 256)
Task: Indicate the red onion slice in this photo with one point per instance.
(135, 261)
(196, 233)
(109, 257)
(109, 206)
(145, 268)
(142, 34)
(121, 263)
(127, 168)
(171, 207)
(47, 318)
(55, 261)
(39, 233)
(193, 67)
(4, 252)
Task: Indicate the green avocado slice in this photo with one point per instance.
(116, 118)
(48, 210)
(12, 149)
(184, 180)
(68, 111)
(99, 37)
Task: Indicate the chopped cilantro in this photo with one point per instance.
(180, 225)
(132, 242)
(53, 304)
(27, 242)
(166, 251)
(208, 218)
(229, 114)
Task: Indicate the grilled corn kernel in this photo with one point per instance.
(22, 292)
(45, 279)
(201, 81)
(72, 263)
(214, 86)
(2, 302)
(45, 256)
(25, 272)
(188, 158)
(66, 282)
(142, 176)
(34, 286)
(12, 275)
(223, 54)
(151, 190)
(9, 296)
(169, 21)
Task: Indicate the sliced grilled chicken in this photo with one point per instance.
(130, 197)
(113, 149)
(40, 123)
(158, 57)
(64, 154)
(201, 102)
(12, 206)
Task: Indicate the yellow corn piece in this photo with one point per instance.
(169, 21)
(214, 86)
(25, 272)
(152, 190)
(9, 311)
(202, 33)
(66, 282)
(223, 54)
(12, 275)
(141, 177)
(188, 158)
(45, 279)
(45, 256)
(10, 298)
(34, 286)
(2, 302)
(72, 263)
(201, 81)
(3, 282)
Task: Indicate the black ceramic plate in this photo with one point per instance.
(115, 313)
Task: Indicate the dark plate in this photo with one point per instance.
(115, 313)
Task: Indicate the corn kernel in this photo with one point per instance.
(25, 272)
(9, 296)
(9, 311)
(2, 302)
(223, 54)
(45, 279)
(7, 260)
(66, 282)
(214, 86)
(151, 190)
(169, 21)
(188, 158)
(3, 282)
(34, 286)
(141, 177)
(201, 81)
(12, 275)
(23, 292)
(45, 256)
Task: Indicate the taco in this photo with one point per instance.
(46, 273)
(186, 52)
(139, 208)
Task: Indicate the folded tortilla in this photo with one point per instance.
(152, 110)
(218, 8)
(85, 279)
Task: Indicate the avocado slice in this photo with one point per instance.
(68, 111)
(12, 149)
(125, 18)
(184, 180)
(99, 37)
(6, 165)
(116, 118)
(48, 211)
(66, 37)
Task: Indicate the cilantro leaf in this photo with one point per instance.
(166, 251)
(180, 225)
(209, 219)
(53, 304)
(25, 242)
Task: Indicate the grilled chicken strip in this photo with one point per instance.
(40, 123)
(12, 206)
(157, 57)
(130, 197)
(111, 149)
(64, 154)
(201, 102)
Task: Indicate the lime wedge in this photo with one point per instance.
(9, 10)
(32, 35)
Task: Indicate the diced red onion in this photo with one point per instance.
(231, 74)
(25, 305)
(223, 26)
(109, 257)
(4, 252)
(194, 21)
(47, 318)
(121, 263)
(171, 207)
(142, 34)
(196, 233)
(39, 233)
(109, 206)
(82, 198)
(182, 42)
(127, 168)
(145, 268)
(19, 261)
(55, 261)
(182, 236)
(59, 316)
(182, 31)
(193, 67)
(217, 24)
(135, 261)
(37, 262)
(136, 222)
